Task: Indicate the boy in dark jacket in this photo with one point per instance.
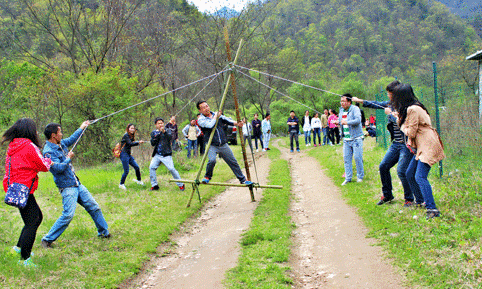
(162, 153)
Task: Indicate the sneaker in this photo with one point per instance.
(15, 251)
(298, 150)
(122, 186)
(291, 151)
(332, 144)
(47, 245)
(420, 205)
(359, 180)
(108, 236)
(408, 204)
(257, 150)
(138, 182)
(385, 200)
(27, 263)
(248, 183)
(182, 188)
(205, 180)
(155, 188)
(345, 182)
(268, 149)
(432, 213)
(306, 145)
(264, 150)
(314, 145)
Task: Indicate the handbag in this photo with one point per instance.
(17, 194)
(118, 149)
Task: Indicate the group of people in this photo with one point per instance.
(23, 163)
(416, 146)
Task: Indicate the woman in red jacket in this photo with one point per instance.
(23, 162)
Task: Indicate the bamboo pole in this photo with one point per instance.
(228, 184)
(238, 116)
(214, 128)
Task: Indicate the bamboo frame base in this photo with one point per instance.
(227, 184)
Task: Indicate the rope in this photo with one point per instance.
(217, 74)
(295, 82)
(137, 104)
(277, 91)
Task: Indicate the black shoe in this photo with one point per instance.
(47, 245)
(408, 204)
(105, 236)
(384, 200)
(432, 213)
(155, 188)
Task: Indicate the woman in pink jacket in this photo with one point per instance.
(333, 131)
(23, 162)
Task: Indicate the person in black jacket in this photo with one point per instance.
(162, 153)
(128, 141)
(219, 144)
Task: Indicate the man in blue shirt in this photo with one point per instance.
(293, 129)
(71, 189)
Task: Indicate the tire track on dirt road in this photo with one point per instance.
(330, 246)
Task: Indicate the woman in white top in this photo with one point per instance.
(306, 122)
(316, 126)
(247, 132)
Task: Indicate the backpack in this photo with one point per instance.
(117, 150)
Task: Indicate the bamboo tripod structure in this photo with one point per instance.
(231, 81)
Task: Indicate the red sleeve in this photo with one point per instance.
(40, 163)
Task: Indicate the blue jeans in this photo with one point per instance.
(126, 161)
(326, 136)
(353, 148)
(70, 197)
(227, 155)
(398, 153)
(417, 173)
(307, 137)
(317, 131)
(247, 139)
(256, 138)
(191, 145)
(294, 136)
(167, 161)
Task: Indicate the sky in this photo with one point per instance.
(213, 5)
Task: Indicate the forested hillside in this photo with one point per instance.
(67, 61)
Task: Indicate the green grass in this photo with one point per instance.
(266, 245)
(440, 253)
(139, 220)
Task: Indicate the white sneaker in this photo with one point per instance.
(257, 150)
(122, 187)
(359, 180)
(264, 150)
(345, 182)
(138, 182)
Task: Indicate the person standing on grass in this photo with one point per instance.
(191, 131)
(316, 126)
(257, 134)
(334, 132)
(127, 142)
(306, 125)
(266, 129)
(172, 126)
(69, 184)
(325, 127)
(219, 144)
(294, 130)
(352, 133)
(161, 141)
(422, 139)
(247, 132)
(396, 153)
(23, 163)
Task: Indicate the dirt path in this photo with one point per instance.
(331, 250)
(208, 247)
